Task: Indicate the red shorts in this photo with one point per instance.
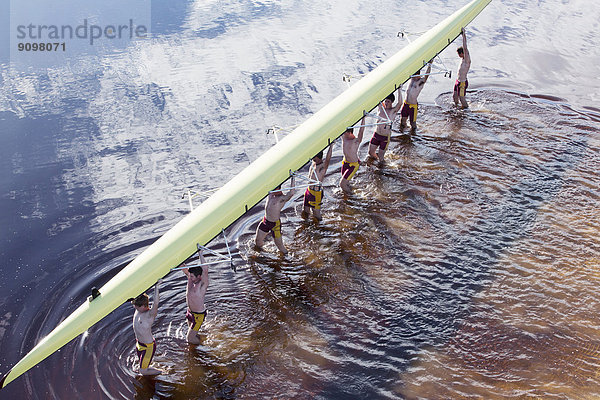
(270, 226)
(313, 198)
(379, 140)
(349, 169)
(196, 319)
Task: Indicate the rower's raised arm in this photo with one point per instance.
(328, 156)
(155, 300)
(290, 193)
(427, 72)
(205, 279)
(361, 130)
(399, 96)
(467, 56)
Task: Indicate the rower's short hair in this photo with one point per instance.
(197, 271)
(460, 50)
(319, 155)
(391, 97)
(141, 300)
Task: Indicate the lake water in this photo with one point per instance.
(466, 266)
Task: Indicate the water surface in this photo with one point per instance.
(465, 267)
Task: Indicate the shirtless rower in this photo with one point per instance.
(143, 317)
(351, 162)
(461, 85)
(409, 108)
(381, 136)
(197, 283)
(271, 221)
(314, 193)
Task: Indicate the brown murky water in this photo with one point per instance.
(464, 267)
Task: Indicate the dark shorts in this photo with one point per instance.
(196, 319)
(461, 88)
(313, 198)
(145, 353)
(268, 226)
(379, 140)
(409, 111)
